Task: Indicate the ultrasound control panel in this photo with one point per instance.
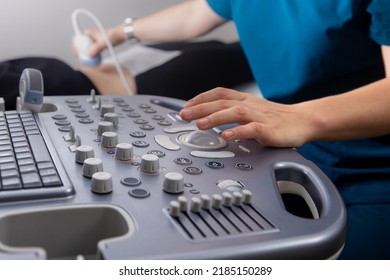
(127, 178)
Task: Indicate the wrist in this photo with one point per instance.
(128, 29)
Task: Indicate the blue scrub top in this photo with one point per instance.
(305, 49)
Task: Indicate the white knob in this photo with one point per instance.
(173, 182)
(217, 201)
(237, 198)
(109, 139)
(104, 127)
(174, 210)
(106, 108)
(83, 152)
(124, 151)
(196, 204)
(183, 202)
(150, 163)
(227, 199)
(247, 196)
(111, 117)
(206, 201)
(101, 183)
(91, 166)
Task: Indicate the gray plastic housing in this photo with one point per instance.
(134, 220)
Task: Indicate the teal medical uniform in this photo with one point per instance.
(306, 49)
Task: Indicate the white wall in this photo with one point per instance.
(43, 27)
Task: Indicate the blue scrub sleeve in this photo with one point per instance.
(380, 26)
(221, 7)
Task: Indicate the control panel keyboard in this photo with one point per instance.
(126, 177)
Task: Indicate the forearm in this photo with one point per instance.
(361, 113)
(180, 22)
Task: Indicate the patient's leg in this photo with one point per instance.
(106, 79)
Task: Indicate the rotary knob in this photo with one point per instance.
(124, 151)
(91, 166)
(111, 117)
(109, 139)
(106, 108)
(104, 127)
(83, 152)
(150, 164)
(173, 182)
(101, 183)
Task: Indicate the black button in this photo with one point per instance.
(131, 181)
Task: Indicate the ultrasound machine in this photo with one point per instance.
(98, 177)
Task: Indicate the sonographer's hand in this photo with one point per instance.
(270, 123)
(114, 34)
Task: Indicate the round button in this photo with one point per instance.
(134, 115)
(131, 181)
(150, 164)
(140, 121)
(214, 164)
(124, 151)
(192, 170)
(82, 115)
(91, 166)
(62, 122)
(140, 144)
(86, 121)
(83, 152)
(146, 127)
(101, 183)
(183, 161)
(137, 134)
(173, 183)
(243, 166)
(139, 193)
(59, 117)
(157, 153)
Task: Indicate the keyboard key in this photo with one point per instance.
(31, 180)
(39, 148)
(11, 183)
